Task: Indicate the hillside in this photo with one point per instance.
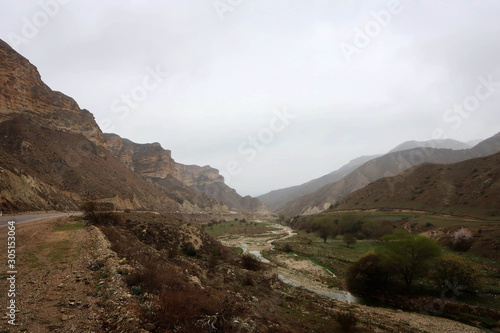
(388, 165)
(156, 164)
(54, 155)
(470, 187)
(277, 198)
(441, 144)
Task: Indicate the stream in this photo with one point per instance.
(255, 246)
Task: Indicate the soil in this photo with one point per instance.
(56, 288)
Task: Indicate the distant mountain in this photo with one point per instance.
(277, 198)
(53, 155)
(155, 163)
(442, 143)
(471, 187)
(388, 165)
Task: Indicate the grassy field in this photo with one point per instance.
(241, 228)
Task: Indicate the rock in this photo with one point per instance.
(150, 327)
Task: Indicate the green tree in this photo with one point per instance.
(324, 227)
(281, 217)
(366, 276)
(406, 254)
(456, 274)
(349, 223)
(349, 239)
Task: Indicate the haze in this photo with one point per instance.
(272, 93)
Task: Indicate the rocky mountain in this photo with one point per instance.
(53, 155)
(442, 143)
(389, 165)
(156, 164)
(277, 198)
(471, 187)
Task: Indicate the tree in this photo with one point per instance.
(349, 239)
(366, 276)
(456, 274)
(349, 223)
(462, 240)
(324, 227)
(281, 217)
(407, 254)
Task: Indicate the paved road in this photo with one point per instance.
(28, 218)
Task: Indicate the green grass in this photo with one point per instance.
(69, 227)
(232, 228)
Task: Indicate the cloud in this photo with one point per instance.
(225, 77)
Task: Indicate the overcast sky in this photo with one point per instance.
(271, 93)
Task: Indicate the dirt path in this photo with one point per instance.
(54, 288)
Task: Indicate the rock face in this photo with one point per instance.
(155, 163)
(22, 93)
(194, 175)
(53, 155)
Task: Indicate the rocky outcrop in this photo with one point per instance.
(22, 93)
(155, 163)
(149, 160)
(194, 175)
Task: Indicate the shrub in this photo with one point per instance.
(189, 250)
(287, 248)
(456, 274)
(366, 276)
(96, 213)
(462, 240)
(250, 262)
(347, 320)
(349, 239)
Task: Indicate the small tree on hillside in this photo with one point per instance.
(349, 239)
(406, 254)
(462, 240)
(456, 274)
(324, 228)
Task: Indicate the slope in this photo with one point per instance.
(388, 165)
(470, 187)
(277, 198)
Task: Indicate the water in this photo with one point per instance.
(339, 295)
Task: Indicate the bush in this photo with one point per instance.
(462, 240)
(287, 248)
(366, 276)
(189, 250)
(456, 274)
(349, 239)
(250, 262)
(347, 320)
(96, 213)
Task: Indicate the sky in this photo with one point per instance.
(271, 93)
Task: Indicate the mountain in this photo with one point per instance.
(53, 155)
(156, 164)
(388, 165)
(442, 143)
(277, 198)
(471, 187)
